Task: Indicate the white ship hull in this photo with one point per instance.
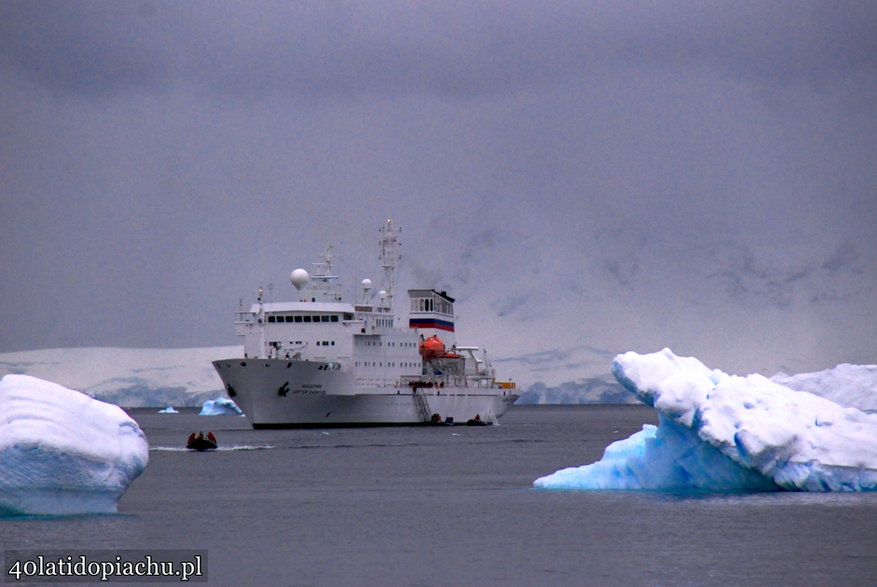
(278, 393)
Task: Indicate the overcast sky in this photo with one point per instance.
(604, 175)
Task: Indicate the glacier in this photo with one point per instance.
(586, 390)
(127, 377)
(185, 377)
(62, 452)
(720, 432)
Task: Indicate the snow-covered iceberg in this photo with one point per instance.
(720, 432)
(62, 452)
(221, 406)
(853, 386)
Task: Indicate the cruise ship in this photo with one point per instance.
(322, 361)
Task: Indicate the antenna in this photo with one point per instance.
(324, 281)
(299, 278)
(366, 288)
(390, 259)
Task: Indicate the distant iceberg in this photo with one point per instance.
(720, 432)
(62, 452)
(221, 406)
(169, 410)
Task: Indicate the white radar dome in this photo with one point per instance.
(366, 283)
(299, 278)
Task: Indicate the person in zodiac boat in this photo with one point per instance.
(200, 443)
(477, 421)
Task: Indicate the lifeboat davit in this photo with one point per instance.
(432, 348)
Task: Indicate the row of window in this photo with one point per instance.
(278, 344)
(307, 318)
(390, 343)
(429, 305)
(389, 364)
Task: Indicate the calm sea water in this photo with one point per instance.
(455, 506)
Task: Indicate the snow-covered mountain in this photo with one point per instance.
(127, 377)
(590, 390)
(185, 377)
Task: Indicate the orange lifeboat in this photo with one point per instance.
(432, 348)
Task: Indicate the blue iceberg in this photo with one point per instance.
(62, 452)
(720, 432)
(221, 406)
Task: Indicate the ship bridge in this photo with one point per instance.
(432, 314)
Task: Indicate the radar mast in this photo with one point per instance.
(390, 258)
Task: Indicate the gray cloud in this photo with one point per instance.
(455, 48)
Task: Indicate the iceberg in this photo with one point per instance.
(62, 452)
(848, 385)
(720, 432)
(221, 406)
(169, 410)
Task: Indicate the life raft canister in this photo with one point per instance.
(432, 348)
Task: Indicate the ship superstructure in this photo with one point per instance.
(323, 361)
